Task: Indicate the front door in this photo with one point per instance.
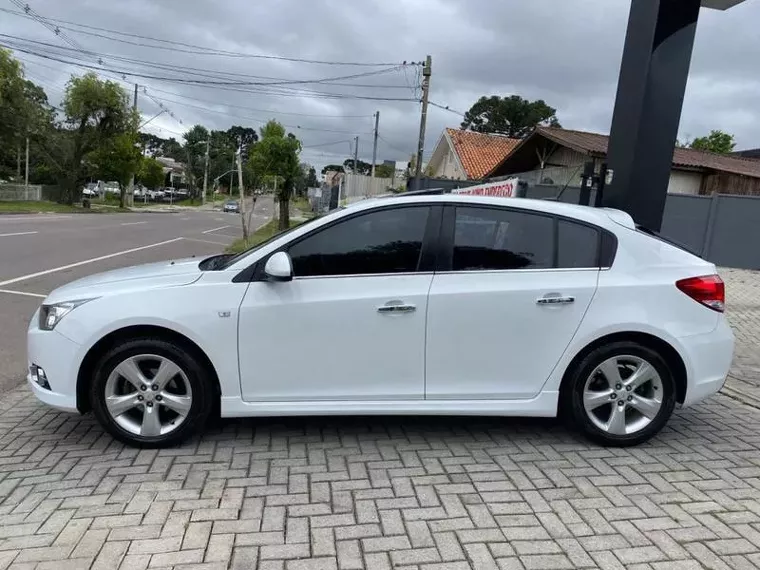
(506, 309)
(351, 324)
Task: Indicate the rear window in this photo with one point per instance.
(659, 237)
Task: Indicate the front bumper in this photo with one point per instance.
(708, 359)
(59, 357)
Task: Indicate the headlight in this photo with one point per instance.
(51, 315)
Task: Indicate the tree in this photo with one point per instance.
(150, 173)
(512, 116)
(384, 171)
(96, 113)
(716, 141)
(311, 178)
(276, 154)
(239, 134)
(333, 168)
(362, 167)
(24, 112)
(195, 150)
(117, 158)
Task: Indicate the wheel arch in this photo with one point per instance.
(84, 375)
(662, 347)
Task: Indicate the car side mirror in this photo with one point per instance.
(279, 267)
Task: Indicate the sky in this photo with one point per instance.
(566, 52)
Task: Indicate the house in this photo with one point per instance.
(556, 156)
(173, 170)
(751, 153)
(467, 155)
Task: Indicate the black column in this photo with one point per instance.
(651, 88)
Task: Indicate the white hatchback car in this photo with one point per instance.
(406, 305)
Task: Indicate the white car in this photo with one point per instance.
(405, 305)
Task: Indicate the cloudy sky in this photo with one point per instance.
(566, 52)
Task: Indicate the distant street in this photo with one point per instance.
(41, 252)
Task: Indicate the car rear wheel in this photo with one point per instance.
(621, 394)
(150, 393)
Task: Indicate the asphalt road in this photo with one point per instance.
(41, 252)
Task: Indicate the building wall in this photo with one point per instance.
(448, 167)
(564, 156)
(684, 182)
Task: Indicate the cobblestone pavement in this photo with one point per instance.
(390, 493)
(743, 312)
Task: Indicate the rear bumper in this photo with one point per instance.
(708, 359)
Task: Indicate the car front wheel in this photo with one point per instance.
(621, 394)
(150, 393)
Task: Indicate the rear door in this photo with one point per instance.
(514, 288)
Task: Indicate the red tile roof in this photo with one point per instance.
(593, 143)
(480, 153)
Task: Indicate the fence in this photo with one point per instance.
(15, 192)
(357, 186)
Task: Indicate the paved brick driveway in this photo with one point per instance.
(402, 493)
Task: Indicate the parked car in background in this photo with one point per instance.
(156, 195)
(448, 304)
(112, 188)
(90, 190)
(232, 206)
(182, 194)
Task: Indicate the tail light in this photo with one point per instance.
(708, 290)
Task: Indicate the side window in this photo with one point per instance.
(487, 238)
(578, 246)
(384, 241)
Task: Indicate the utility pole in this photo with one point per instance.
(132, 180)
(374, 146)
(205, 174)
(232, 172)
(426, 73)
(242, 193)
(26, 175)
(356, 152)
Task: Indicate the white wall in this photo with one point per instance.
(683, 182)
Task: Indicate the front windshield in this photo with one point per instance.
(235, 258)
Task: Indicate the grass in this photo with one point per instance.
(265, 232)
(33, 207)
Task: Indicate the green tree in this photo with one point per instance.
(195, 151)
(276, 154)
(311, 178)
(117, 158)
(333, 168)
(96, 113)
(362, 167)
(24, 112)
(512, 116)
(384, 171)
(150, 173)
(716, 141)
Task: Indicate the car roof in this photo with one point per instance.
(605, 217)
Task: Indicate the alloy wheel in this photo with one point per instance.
(148, 395)
(623, 395)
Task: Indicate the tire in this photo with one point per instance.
(588, 386)
(168, 424)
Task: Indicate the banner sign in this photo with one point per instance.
(504, 189)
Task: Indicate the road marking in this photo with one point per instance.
(19, 234)
(133, 223)
(37, 218)
(218, 219)
(85, 262)
(215, 229)
(22, 293)
(206, 241)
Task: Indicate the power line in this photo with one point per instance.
(446, 108)
(272, 81)
(196, 49)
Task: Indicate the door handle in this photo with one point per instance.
(396, 307)
(555, 299)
